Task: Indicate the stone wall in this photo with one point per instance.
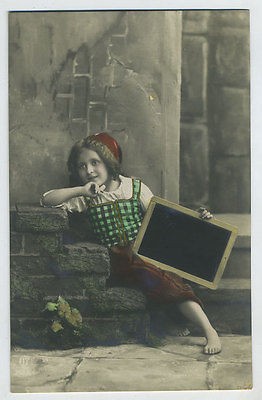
(47, 262)
(215, 113)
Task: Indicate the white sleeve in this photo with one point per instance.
(145, 196)
(76, 204)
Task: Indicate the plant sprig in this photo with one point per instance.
(64, 316)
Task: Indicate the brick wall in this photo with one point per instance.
(215, 131)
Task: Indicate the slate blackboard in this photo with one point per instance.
(176, 239)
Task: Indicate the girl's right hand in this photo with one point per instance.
(92, 189)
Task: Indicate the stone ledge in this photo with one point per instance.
(243, 223)
(31, 218)
(229, 290)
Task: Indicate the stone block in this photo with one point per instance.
(220, 376)
(229, 18)
(229, 318)
(33, 332)
(25, 308)
(67, 285)
(102, 81)
(229, 290)
(26, 331)
(84, 257)
(243, 222)
(230, 49)
(118, 299)
(16, 243)
(232, 114)
(196, 22)
(81, 95)
(229, 306)
(118, 329)
(112, 301)
(101, 70)
(97, 117)
(194, 165)
(36, 370)
(21, 288)
(40, 219)
(194, 77)
(78, 129)
(239, 264)
(230, 186)
(42, 243)
(141, 374)
(31, 265)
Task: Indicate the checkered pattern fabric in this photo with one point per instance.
(117, 222)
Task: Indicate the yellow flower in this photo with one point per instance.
(56, 326)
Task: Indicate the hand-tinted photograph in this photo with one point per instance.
(109, 110)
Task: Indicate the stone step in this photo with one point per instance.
(228, 309)
(239, 263)
(229, 289)
(111, 316)
(106, 330)
(229, 306)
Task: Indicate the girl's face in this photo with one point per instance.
(91, 168)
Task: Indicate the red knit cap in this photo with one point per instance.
(109, 142)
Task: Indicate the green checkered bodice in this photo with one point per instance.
(117, 222)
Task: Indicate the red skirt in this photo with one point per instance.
(128, 269)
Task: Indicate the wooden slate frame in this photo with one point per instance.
(201, 249)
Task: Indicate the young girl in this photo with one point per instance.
(115, 206)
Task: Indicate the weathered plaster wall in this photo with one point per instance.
(39, 141)
(72, 74)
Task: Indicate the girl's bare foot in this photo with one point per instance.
(213, 345)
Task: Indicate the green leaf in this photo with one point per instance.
(51, 306)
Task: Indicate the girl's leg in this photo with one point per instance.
(194, 312)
